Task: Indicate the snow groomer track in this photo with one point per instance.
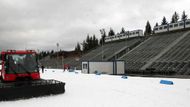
(28, 89)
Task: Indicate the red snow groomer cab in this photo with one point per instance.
(20, 77)
(17, 64)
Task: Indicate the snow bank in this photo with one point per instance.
(90, 90)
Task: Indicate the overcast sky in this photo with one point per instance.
(40, 24)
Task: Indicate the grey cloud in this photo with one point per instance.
(40, 24)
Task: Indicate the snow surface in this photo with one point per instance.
(90, 90)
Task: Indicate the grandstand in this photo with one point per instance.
(107, 51)
(101, 53)
(176, 59)
(159, 54)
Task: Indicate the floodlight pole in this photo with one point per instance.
(102, 33)
(57, 53)
(102, 50)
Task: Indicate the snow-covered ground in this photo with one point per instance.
(90, 90)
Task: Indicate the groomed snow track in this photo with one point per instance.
(29, 89)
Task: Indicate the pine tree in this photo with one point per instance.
(87, 42)
(173, 20)
(164, 21)
(175, 17)
(103, 33)
(111, 32)
(78, 48)
(95, 41)
(101, 41)
(184, 16)
(122, 30)
(156, 24)
(91, 43)
(148, 29)
(84, 46)
(52, 52)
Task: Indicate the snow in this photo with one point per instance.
(90, 90)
